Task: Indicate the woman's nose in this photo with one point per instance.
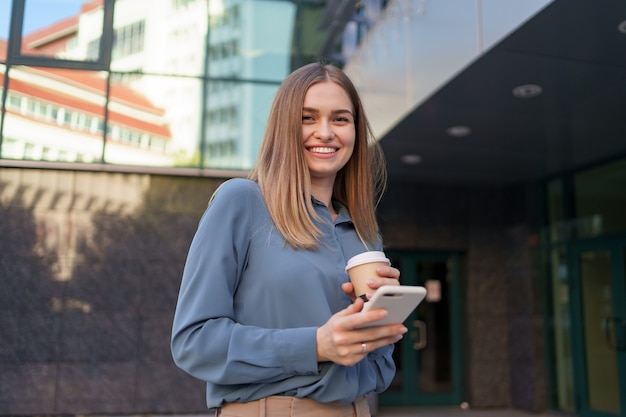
(324, 131)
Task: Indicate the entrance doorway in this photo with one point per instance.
(428, 358)
(599, 330)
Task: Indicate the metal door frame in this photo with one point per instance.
(410, 394)
(617, 249)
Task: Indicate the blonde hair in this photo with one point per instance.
(283, 176)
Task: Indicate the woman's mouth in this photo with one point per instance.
(322, 149)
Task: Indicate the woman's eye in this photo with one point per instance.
(307, 117)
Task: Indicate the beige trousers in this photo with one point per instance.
(277, 406)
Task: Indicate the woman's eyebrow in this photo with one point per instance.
(338, 111)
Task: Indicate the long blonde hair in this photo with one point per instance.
(283, 176)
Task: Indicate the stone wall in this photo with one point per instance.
(90, 265)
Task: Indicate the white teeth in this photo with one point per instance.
(323, 150)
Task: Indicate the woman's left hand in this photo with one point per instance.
(387, 275)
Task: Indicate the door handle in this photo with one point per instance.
(618, 325)
(420, 335)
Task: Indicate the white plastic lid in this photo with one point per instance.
(367, 257)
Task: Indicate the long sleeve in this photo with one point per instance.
(207, 341)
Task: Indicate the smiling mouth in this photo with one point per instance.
(320, 149)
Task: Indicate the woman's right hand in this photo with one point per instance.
(340, 342)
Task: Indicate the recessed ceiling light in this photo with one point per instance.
(622, 27)
(411, 159)
(527, 91)
(458, 131)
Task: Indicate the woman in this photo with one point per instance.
(266, 314)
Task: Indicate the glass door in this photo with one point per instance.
(428, 357)
(600, 328)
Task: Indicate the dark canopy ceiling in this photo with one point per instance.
(575, 50)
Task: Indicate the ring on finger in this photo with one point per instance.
(363, 347)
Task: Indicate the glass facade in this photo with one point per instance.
(184, 84)
(583, 245)
(600, 198)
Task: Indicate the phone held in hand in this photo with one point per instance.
(398, 300)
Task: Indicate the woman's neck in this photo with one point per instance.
(323, 193)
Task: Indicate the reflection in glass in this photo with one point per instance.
(67, 29)
(600, 196)
(5, 23)
(435, 360)
(563, 372)
(154, 120)
(254, 50)
(54, 114)
(601, 359)
(402, 368)
(171, 41)
(556, 217)
(236, 114)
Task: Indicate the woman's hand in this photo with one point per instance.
(387, 275)
(340, 342)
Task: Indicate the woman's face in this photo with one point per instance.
(328, 131)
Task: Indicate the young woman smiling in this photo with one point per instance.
(266, 314)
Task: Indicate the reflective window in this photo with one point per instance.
(5, 22)
(61, 33)
(46, 19)
(252, 51)
(236, 114)
(600, 198)
(561, 332)
(54, 114)
(154, 120)
(557, 229)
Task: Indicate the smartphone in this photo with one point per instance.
(398, 300)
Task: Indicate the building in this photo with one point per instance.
(54, 114)
(502, 124)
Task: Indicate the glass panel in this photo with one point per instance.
(254, 50)
(153, 120)
(235, 119)
(5, 24)
(62, 29)
(397, 385)
(601, 359)
(435, 359)
(600, 199)
(176, 48)
(563, 372)
(54, 114)
(556, 217)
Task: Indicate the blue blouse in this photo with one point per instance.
(249, 306)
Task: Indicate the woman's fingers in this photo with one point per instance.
(348, 288)
(387, 275)
(339, 340)
(388, 272)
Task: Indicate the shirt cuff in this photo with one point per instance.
(299, 350)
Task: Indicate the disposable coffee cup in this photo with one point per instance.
(362, 267)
